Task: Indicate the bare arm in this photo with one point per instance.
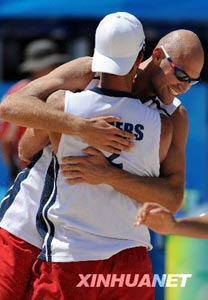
(166, 190)
(32, 141)
(192, 227)
(160, 219)
(35, 139)
(26, 107)
(173, 168)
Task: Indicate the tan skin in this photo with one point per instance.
(168, 189)
(7, 141)
(110, 82)
(161, 220)
(156, 77)
(27, 107)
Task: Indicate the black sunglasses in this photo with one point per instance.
(180, 73)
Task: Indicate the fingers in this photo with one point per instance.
(116, 144)
(110, 119)
(69, 167)
(119, 132)
(71, 164)
(119, 135)
(140, 217)
(137, 221)
(144, 211)
(73, 159)
(126, 135)
(151, 212)
(72, 174)
(74, 180)
(93, 151)
(108, 148)
(105, 136)
(158, 210)
(112, 150)
(122, 144)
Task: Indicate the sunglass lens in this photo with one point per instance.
(181, 75)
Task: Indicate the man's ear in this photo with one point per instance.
(157, 56)
(139, 59)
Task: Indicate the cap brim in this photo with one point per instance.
(41, 63)
(117, 66)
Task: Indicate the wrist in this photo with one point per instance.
(115, 176)
(78, 126)
(175, 229)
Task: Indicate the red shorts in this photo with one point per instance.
(125, 276)
(16, 260)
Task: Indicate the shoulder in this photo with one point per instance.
(180, 114)
(180, 119)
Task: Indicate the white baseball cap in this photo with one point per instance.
(118, 40)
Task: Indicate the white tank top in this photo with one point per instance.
(24, 199)
(90, 222)
(20, 206)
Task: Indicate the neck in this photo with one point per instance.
(116, 83)
(142, 86)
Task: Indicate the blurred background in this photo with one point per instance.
(71, 25)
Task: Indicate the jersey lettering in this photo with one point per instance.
(137, 129)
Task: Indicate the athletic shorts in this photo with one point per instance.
(16, 260)
(125, 276)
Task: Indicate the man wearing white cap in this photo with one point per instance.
(87, 229)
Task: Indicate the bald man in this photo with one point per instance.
(157, 84)
(170, 71)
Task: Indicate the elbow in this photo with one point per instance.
(177, 200)
(23, 158)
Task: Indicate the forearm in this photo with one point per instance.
(27, 106)
(145, 189)
(191, 227)
(26, 109)
(41, 116)
(32, 141)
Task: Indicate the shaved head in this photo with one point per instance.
(185, 47)
(181, 38)
(157, 76)
(184, 44)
